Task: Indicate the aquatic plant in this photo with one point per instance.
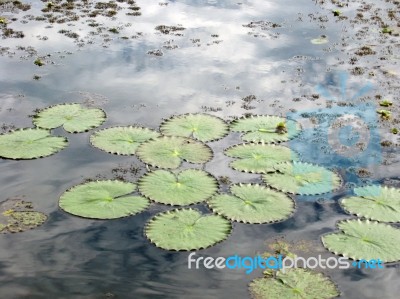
(253, 204)
(107, 199)
(265, 128)
(364, 239)
(187, 229)
(386, 103)
(259, 158)
(336, 12)
(394, 131)
(374, 202)
(302, 178)
(121, 140)
(169, 152)
(184, 188)
(294, 284)
(202, 127)
(320, 40)
(73, 117)
(39, 62)
(30, 143)
(385, 114)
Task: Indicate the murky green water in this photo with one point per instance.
(224, 54)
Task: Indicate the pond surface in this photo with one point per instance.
(218, 54)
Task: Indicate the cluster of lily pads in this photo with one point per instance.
(184, 138)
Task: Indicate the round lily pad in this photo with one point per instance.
(121, 140)
(30, 144)
(253, 204)
(108, 199)
(294, 284)
(202, 127)
(73, 117)
(169, 152)
(374, 202)
(187, 187)
(266, 128)
(302, 178)
(187, 229)
(368, 240)
(259, 158)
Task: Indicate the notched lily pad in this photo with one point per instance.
(187, 187)
(18, 215)
(302, 178)
(169, 152)
(364, 239)
(30, 143)
(259, 158)
(374, 202)
(202, 127)
(73, 117)
(107, 199)
(253, 204)
(187, 229)
(266, 128)
(121, 140)
(294, 284)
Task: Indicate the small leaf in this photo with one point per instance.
(30, 144)
(202, 127)
(103, 200)
(187, 229)
(73, 117)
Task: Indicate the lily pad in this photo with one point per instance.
(366, 239)
(302, 178)
(187, 187)
(30, 144)
(187, 229)
(103, 200)
(121, 140)
(294, 284)
(259, 158)
(202, 127)
(169, 152)
(266, 128)
(73, 117)
(253, 204)
(374, 202)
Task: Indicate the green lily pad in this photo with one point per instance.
(121, 140)
(73, 117)
(366, 240)
(169, 152)
(266, 128)
(187, 229)
(294, 284)
(30, 144)
(253, 204)
(202, 127)
(188, 187)
(103, 200)
(374, 202)
(302, 178)
(259, 158)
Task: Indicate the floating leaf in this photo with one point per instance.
(253, 204)
(366, 240)
(103, 200)
(266, 128)
(202, 127)
(169, 152)
(30, 144)
(187, 229)
(188, 187)
(73, 117)
(374, 202)
(121, 140)
(320, 41)
(259, 158)
(302, 178)
(294, 284)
